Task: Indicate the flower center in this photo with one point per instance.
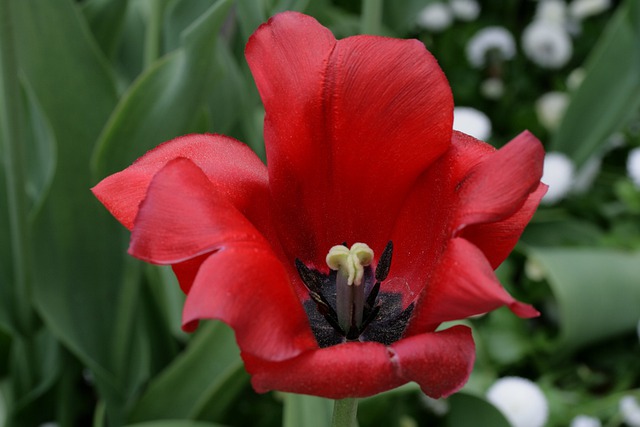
(346, 304)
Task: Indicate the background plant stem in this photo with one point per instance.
(371, 22)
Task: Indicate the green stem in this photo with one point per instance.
(371, 16)
(14, 163)
(153, 35)
(344, 413)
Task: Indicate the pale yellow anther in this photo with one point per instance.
(350, 262)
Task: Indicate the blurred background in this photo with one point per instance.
(91, 337)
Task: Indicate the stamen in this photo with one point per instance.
(349, 264)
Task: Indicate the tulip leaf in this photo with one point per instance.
(77, 246)
(175, 423)
(468, 410)
(197, 378)
(596, 290)
(603, 103)
(164, 102)
(106, 19)
(303, 410)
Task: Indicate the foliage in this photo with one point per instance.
(90, 336)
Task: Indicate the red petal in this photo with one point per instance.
(431, 214)
(462, 285)
(497, 239)
(184, 216)
(233, 168)
(498, 186)
(349, 126)
(246, 286)
(440, 362)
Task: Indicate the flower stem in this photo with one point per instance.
(344, 413)
(371, 16)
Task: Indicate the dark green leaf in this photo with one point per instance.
(603, 103)
(197, 378)
(596, 291)
(163, 103)
(106, 19)
(467, 410)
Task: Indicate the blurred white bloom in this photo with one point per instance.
(580, 9)
(521, 401)
(496, 39)
(630, 411)
(638, 329)
(435, 17)
(492, 88)
(558, 172)
(534, 270)
(472, 122)
(587, 174)
(585, 421)
(550, 109)
(575, 78)
(633, 165)
(552, 11)
(547, 44)
(465, 10)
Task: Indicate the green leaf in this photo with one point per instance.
(467, 410)
(76, 251)
(198, 378)
(596, 290)
(106, 19)
(175, 423)
(609, 94)
(164, 102)
(308, 411)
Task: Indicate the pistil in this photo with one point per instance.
(349, 263)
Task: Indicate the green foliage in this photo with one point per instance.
(89, 336)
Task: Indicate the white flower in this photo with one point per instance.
(521, 401)
(585, 421)
(465, 10)
(575, 78)
(550, 109)
(435, 17)
(633, 166)
(580, 9)
(492, 88)
(547, 44)
(497, 39)
(472, 122)
(587, 174)
(552, 11)
(630, 411)
(558, 174)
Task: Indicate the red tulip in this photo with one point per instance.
(360, 150)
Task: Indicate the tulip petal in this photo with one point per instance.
(439, 362)
(497, 239)
(184, 215)
(245, 285)
(349, 126)
(498, 186)
(462, 285)
(432, 213)
(231, 165)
